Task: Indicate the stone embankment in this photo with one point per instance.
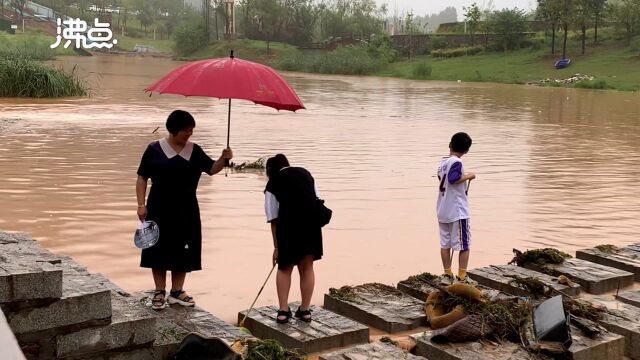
(55, 309)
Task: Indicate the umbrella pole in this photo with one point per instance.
(226, 161)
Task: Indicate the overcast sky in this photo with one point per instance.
(423, 7)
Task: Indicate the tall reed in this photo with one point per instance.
(23, 77)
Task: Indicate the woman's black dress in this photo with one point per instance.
(296, 234)
(173, 205)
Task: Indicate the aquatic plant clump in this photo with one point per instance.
(539, 257)
(22, 77)
(270, 349)
(345, 293)
(532, 285)
(259, 164)
(608, 248)
(388, 340)
(421, 279)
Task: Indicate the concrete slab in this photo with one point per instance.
(418, 286)
(631, 297)
(471, 350)
(374, 351)
(619, 258)
(608, 346)
(622, 319)
(381, 306)
(328, 330)
(501, 278)
(594, 278)
(131, 327)
(24, 272)
(85, 301)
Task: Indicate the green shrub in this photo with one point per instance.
(422, 70)
(450, 53)
(23, 77)
(188, 38)
(439, 42)
(348, 60)
(593, 84)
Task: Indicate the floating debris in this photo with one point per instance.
(539, 257)
(388, 340)
(532, 285)
(570, 80)
(259, 164)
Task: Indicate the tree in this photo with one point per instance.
(566, 11)
(583, 15)
(549, 12)
(597, 8)
(509, 26)
(626, 13)
(472, 16)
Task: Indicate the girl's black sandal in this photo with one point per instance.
(286, 314)
(304, 315)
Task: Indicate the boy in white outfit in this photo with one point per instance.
(453, 207)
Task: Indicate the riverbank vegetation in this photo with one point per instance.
(359, 37)
(23, 77)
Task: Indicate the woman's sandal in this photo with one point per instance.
(185, 300)
(158, 301)
(283, 314)
(304, 315)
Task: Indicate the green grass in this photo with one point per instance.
(34, 45)
(253, 50)
(614, 66)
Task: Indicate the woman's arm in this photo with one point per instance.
(141, 193)
(218, 165)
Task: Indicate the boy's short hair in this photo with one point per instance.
(460, 142)
(180, 120)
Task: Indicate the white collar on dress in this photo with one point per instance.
(170, 152)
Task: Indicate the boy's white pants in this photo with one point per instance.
(456, 235)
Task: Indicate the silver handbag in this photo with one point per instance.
(146, 235)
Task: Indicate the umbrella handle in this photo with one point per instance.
(226, 161)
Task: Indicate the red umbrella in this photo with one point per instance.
(230, 78)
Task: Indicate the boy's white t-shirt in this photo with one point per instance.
(453, 203)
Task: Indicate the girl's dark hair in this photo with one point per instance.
(460, 142)
(275, 164)
(179, 120)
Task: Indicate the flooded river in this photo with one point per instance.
(556, 167)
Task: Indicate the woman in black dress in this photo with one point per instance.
(290, 197)
(174, 165)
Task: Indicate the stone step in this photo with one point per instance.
(131, 327)
(373, 351)
(622, 319)
(631, 297)
(594, 278)
(85, 302)
(608, 346)
(27, 271)
(328, 330)
(419, 287)
(501, 278)
(620, 258)
(175, 322)
(381, 306)
(471, 350)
